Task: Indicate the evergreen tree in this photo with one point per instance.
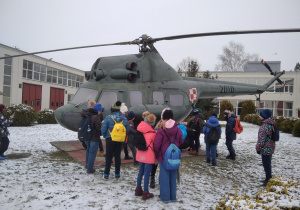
(248, 107)
(225, 104)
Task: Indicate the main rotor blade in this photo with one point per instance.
(70, 48)
(227, 33)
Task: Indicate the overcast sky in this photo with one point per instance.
(35, 25)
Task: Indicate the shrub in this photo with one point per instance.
(296, 129)
(24, 115)
(287, 125)
(247, 118)
(46, 117)
(255, 119)
(248, 107)
(279, 121)
(224, 105)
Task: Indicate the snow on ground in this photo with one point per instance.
(46, 178)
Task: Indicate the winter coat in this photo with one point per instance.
(4, 123)
(147, 156)
(95, 122)
(162, 142)
(265, 145)
(191, 122)
(109, 123)
(213, 122)
(131, 132)
(230, 133)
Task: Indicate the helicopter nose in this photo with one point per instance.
(67, 117)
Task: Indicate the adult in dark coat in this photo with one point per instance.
(93, 144)
(230, 133)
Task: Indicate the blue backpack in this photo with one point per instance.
(183, 130)
(172, 156)
(85, 132)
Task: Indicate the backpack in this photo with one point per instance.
(183, 130)
(198, 124)
(275, 133)
(118, 133)
(139, 141)
(85, 132)
(213, 135)
(238, 128)
(172, 156)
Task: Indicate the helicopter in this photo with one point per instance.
(144, 81)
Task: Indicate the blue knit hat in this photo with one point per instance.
(266, 113)
(98, 107)
(131, 115)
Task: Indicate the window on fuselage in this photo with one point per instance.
(158, 98)
(136, 98)
(84, 95)
(107, 99)
(176, 100)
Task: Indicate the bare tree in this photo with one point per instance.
(188, 67)
(234, 57)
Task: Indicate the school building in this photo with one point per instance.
(36, 81)
(282, 100)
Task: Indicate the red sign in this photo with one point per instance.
(193, 94)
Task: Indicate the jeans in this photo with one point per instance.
(211, 152)
(4, 142)
(266, 161)
(168, 184)
(229, 145)
(91, 152)
(113, 149)
(145, 170)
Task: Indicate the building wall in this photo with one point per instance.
(17, 79)
(269, 100)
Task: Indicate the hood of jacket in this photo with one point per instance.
(144, 127)
(213, 121)
(89, 112)
(269, 121)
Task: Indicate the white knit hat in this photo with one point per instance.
(123, 108)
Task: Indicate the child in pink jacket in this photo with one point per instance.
(146, 158)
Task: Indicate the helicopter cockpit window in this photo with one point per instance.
(158, 98)
(176, 100)
(84, 95)
(107, 99)
(136, 98)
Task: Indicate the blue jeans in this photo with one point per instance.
(145, 170)
(211, 152)
(229, 145)
(91, 152)
(168, 184)
(266, 161)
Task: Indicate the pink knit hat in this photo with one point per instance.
(170, 123)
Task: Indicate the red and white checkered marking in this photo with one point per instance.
(193, 94)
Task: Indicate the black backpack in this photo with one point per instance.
(213, 135)
(85, 132)
(275, 133)
(198, 124)
(139, 141)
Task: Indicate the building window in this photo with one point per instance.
(7, 81)
(39, 72)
